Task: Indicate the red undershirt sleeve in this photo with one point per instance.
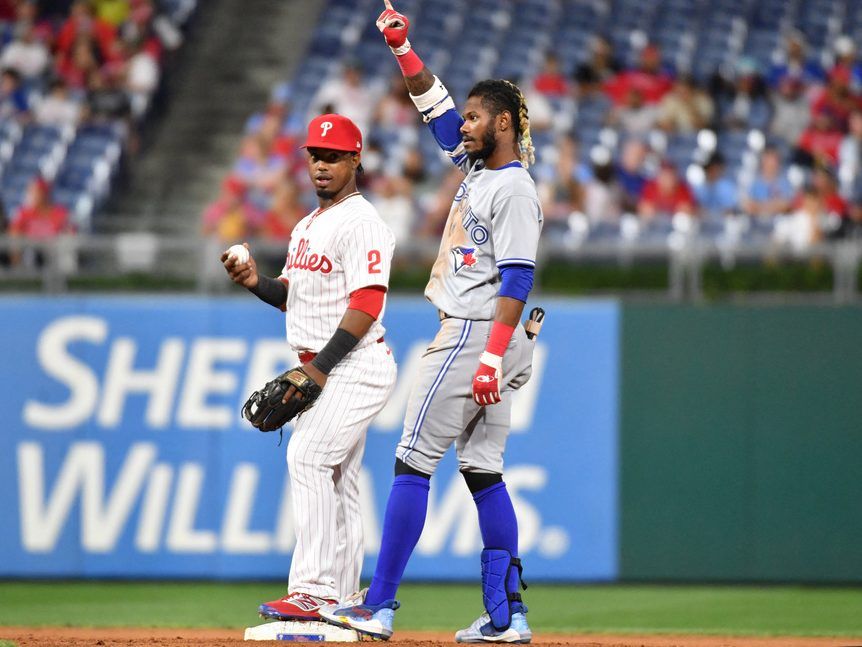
(368, 300)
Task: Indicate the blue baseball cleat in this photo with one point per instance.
(482, 631)
(374, 621)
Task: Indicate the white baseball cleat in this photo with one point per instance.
(374, 621)
(482, 631)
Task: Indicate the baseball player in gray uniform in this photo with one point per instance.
(479, 284)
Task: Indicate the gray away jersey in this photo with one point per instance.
(495, 221)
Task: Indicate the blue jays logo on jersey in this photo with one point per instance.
(463, 257)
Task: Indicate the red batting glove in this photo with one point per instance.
(486, 381)
(394, 27)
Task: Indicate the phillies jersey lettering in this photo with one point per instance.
(302, 260)
(332, 253)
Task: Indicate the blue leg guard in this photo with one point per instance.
(500, 586)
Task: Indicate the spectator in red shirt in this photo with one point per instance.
(819, 142)
(82, 22)
(836, 99)
(649, 79)
(77, 68)
(846, 56)
(550, 81)
(39, 218)
(665, 195)
(287, 210)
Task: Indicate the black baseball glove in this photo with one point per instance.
(265, 408)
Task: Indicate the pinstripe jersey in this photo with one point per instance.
(495, 221)
(332, 253)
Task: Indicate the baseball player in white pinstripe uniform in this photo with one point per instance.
(479, 284)
(333, 290)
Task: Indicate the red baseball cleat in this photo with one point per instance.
(294, 606)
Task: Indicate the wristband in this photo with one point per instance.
(409, 61)
(403, 49)
(271, 291)
(434, 102)
(499, 338)
(336, 349)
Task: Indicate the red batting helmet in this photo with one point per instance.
(335, 132)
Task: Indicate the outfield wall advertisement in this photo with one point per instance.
(123, 453)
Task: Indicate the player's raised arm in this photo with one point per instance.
(427, 91)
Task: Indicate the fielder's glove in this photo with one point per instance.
(266, 409)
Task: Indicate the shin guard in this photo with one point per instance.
(498, 592)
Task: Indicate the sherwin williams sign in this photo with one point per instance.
(123, 453)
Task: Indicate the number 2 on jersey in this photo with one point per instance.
(373, 261)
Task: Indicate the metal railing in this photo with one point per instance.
(192, 264)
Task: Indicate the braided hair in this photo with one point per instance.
(500, 95)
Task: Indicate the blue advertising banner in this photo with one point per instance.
(123, 453)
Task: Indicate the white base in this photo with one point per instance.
(301, 632)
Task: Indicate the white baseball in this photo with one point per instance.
(238, 252)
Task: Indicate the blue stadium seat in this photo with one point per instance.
(75, 178)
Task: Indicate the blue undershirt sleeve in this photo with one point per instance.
(517, 282)
(447, 132)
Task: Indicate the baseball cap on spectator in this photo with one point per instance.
(335, 132)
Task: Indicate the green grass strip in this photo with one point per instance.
(739, 610)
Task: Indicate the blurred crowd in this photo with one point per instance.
(68, 64)
(633, 152)
(64, 62)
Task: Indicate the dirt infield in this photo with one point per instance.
(123, 637)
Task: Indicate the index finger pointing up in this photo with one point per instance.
(388, 4)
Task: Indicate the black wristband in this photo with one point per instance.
(336, 349)
(271, 291)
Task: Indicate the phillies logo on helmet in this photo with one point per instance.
(463, 257)
(335, 132)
